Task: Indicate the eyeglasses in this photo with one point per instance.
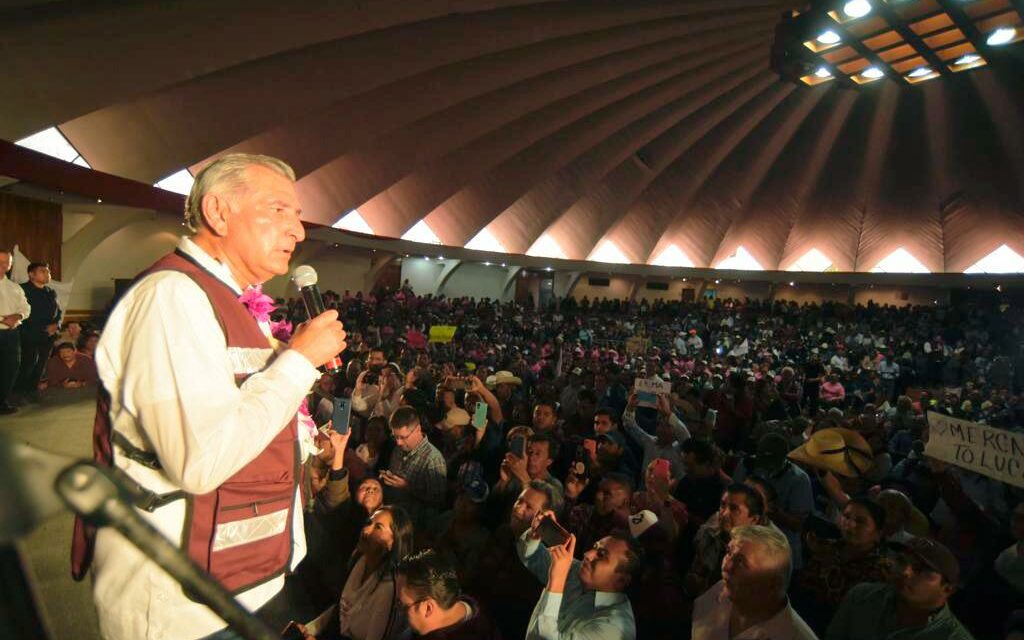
(411, 605)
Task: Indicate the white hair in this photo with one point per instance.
(227, 173)
(772, 544)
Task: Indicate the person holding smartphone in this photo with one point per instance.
(581, 598)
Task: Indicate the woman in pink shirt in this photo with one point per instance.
(832, 391)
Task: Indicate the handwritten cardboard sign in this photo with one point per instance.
(647, 391)
(992, 452)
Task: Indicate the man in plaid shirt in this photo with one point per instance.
(416, 475)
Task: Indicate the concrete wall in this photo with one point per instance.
(477, 281)
(894, 295)
(338, 269)
(740, 290)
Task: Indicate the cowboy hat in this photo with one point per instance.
(842, 451)
(506, 377)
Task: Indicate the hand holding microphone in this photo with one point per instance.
(322, 338)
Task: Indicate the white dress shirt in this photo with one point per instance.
(12, 300)
(713, 610)
(164, 359)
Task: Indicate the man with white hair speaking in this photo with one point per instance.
(750, 601)
(199, 408)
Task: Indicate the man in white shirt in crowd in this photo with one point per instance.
(581, 600)
(190, 412)
(750, 601)
(14, 309)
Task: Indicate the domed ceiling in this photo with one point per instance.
(643, 131)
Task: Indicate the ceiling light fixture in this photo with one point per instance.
(920, 72)
(829, 37)
(873, 73)
(857, 8)
(823, 72)
(970, 58)
(1001, 36)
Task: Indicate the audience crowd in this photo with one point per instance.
(512, 480)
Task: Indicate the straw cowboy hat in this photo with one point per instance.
(506, 377)
(842, 451)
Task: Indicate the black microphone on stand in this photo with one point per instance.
(305, 279)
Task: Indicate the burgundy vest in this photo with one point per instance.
(240, 533)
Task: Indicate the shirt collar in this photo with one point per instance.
(608, 598)
(208, 262)
(422, 445)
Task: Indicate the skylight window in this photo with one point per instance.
(546, 247)
(352, 221)
(53, 143)
(740, 260)
(421, 233)
(485, 241)
(180, 182)
(1002, 260)
(900, 261)
(608, 251)
(672, 257)
(813, 260)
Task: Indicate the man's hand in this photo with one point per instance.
(561, 562)
(475, 384)
(517, 467)
(320, 339)
(11, 320)
(52, 329)
(632, 401)
(393, 480)
(664, 408)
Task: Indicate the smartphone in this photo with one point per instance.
(292, 632)
(662, 469)
(518, 447)
(459, 384)
(551, 533)
(342, 415)
(480, 415)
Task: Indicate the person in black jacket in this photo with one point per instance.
(428, 590)
(37, 331)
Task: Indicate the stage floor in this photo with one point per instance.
(66, 428)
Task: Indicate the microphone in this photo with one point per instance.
(305, 280)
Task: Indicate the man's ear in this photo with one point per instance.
(216, 211)
(429, 607)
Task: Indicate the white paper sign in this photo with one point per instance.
(992, 452)
(647, 391)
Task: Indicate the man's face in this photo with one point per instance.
(602, 424)
(599, 569)
(504, 391)
(544, 418)
(407, 438)
(920, 586)
(538, 459)
(376, 360)
(529, 503)
(733, 511)
(263, 226)
(369, 495)
(746, 573)
(67, 355)
(5, 262)
(40, 276)
(610, 496)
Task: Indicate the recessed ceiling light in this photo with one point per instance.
(1001, 36)
(829, 37)
(872, 72)
(920, 72)
(970, 58)
(857, 8)
(822, 72)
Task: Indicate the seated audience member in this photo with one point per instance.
(582, 599)
(87, 344)
(609, 513)
(614, 456)
(429, 592)
(1010, 563)
(750, 601)
(375, 450)
(368, 609)
(670, 434)
(68, 369)
(416, 478)
(913, 607)
(740, 506)
(835, 566)
(700, 490)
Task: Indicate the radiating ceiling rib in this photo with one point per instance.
(521, 223)
(692, 174)
(169, 124)
(315, 139)
(592, 218)
(462, 215)
(399, 206)
(64, 55)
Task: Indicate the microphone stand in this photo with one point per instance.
(94, 493)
